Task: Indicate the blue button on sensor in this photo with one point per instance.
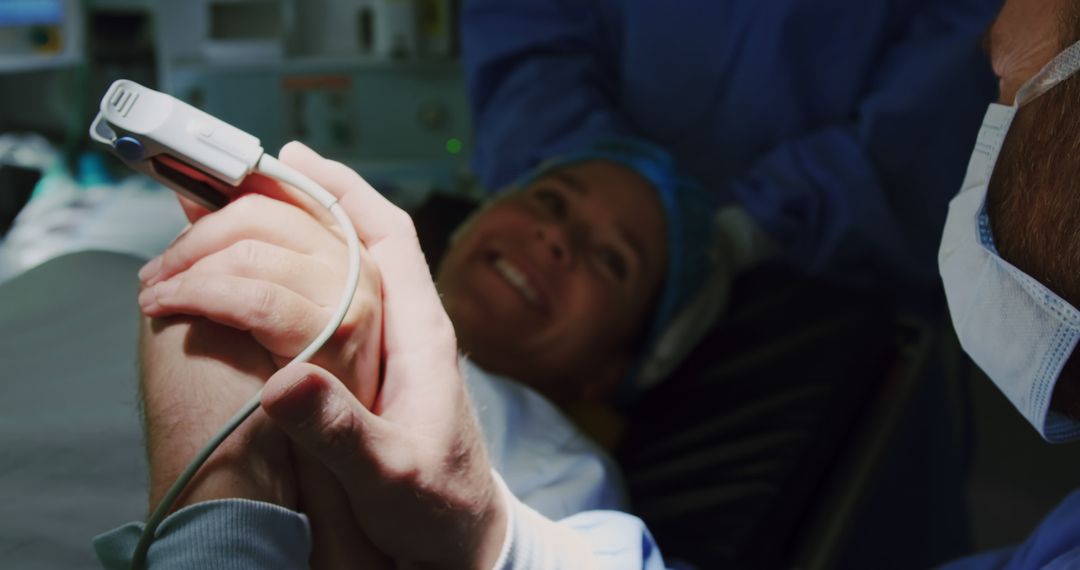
(129, 148)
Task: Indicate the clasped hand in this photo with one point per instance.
(384, 452)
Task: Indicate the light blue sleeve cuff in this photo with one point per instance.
(229, 534)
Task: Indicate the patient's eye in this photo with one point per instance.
(614, 262)
(552, 201)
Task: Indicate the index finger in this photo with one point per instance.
(254, 183)
(257, 183)
(375, 217)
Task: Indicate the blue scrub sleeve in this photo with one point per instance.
(543, 80)
(230, 534)
(830, 195)
(1054, 544)
(539, 87)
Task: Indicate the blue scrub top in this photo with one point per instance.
(842, 126)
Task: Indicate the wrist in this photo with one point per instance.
(255, 466)
(257, 469)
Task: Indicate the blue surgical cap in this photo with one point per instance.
(689, 229)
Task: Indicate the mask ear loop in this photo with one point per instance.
(1063, 66)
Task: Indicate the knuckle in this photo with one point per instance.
(186, 287)
(399, 469)
(263, 302)
(362, 320)
(247, 205)
(246, 253)
(337, 429)
(249, 200)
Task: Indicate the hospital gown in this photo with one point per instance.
(840, 126)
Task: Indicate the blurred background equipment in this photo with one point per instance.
(369, 82)
(375, 84)
(38, 34)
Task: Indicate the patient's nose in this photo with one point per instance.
(555, 243)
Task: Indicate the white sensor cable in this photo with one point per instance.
(272, 167)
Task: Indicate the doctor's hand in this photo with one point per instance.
(413, 466)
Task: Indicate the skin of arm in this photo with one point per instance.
(194, 375)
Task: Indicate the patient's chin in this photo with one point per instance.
(501, 344)
(482, 323)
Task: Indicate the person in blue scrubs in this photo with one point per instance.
(1010, 254)
(834, 131)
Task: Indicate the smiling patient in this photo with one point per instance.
(557, 289)
(552, 285)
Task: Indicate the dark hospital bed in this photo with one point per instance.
(71, 457)
(760, 450)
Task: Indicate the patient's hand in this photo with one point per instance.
(273, 269)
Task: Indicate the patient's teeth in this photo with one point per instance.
(517, 279)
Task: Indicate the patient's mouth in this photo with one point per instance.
(520, 281)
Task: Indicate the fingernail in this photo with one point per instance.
(150, 270)
(147, 299)
(150, 297)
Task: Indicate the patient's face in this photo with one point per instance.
(552, 285)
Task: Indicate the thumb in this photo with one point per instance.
(319, 413)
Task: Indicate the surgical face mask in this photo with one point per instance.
(1018, 332)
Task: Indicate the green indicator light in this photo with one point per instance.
(453, 146)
